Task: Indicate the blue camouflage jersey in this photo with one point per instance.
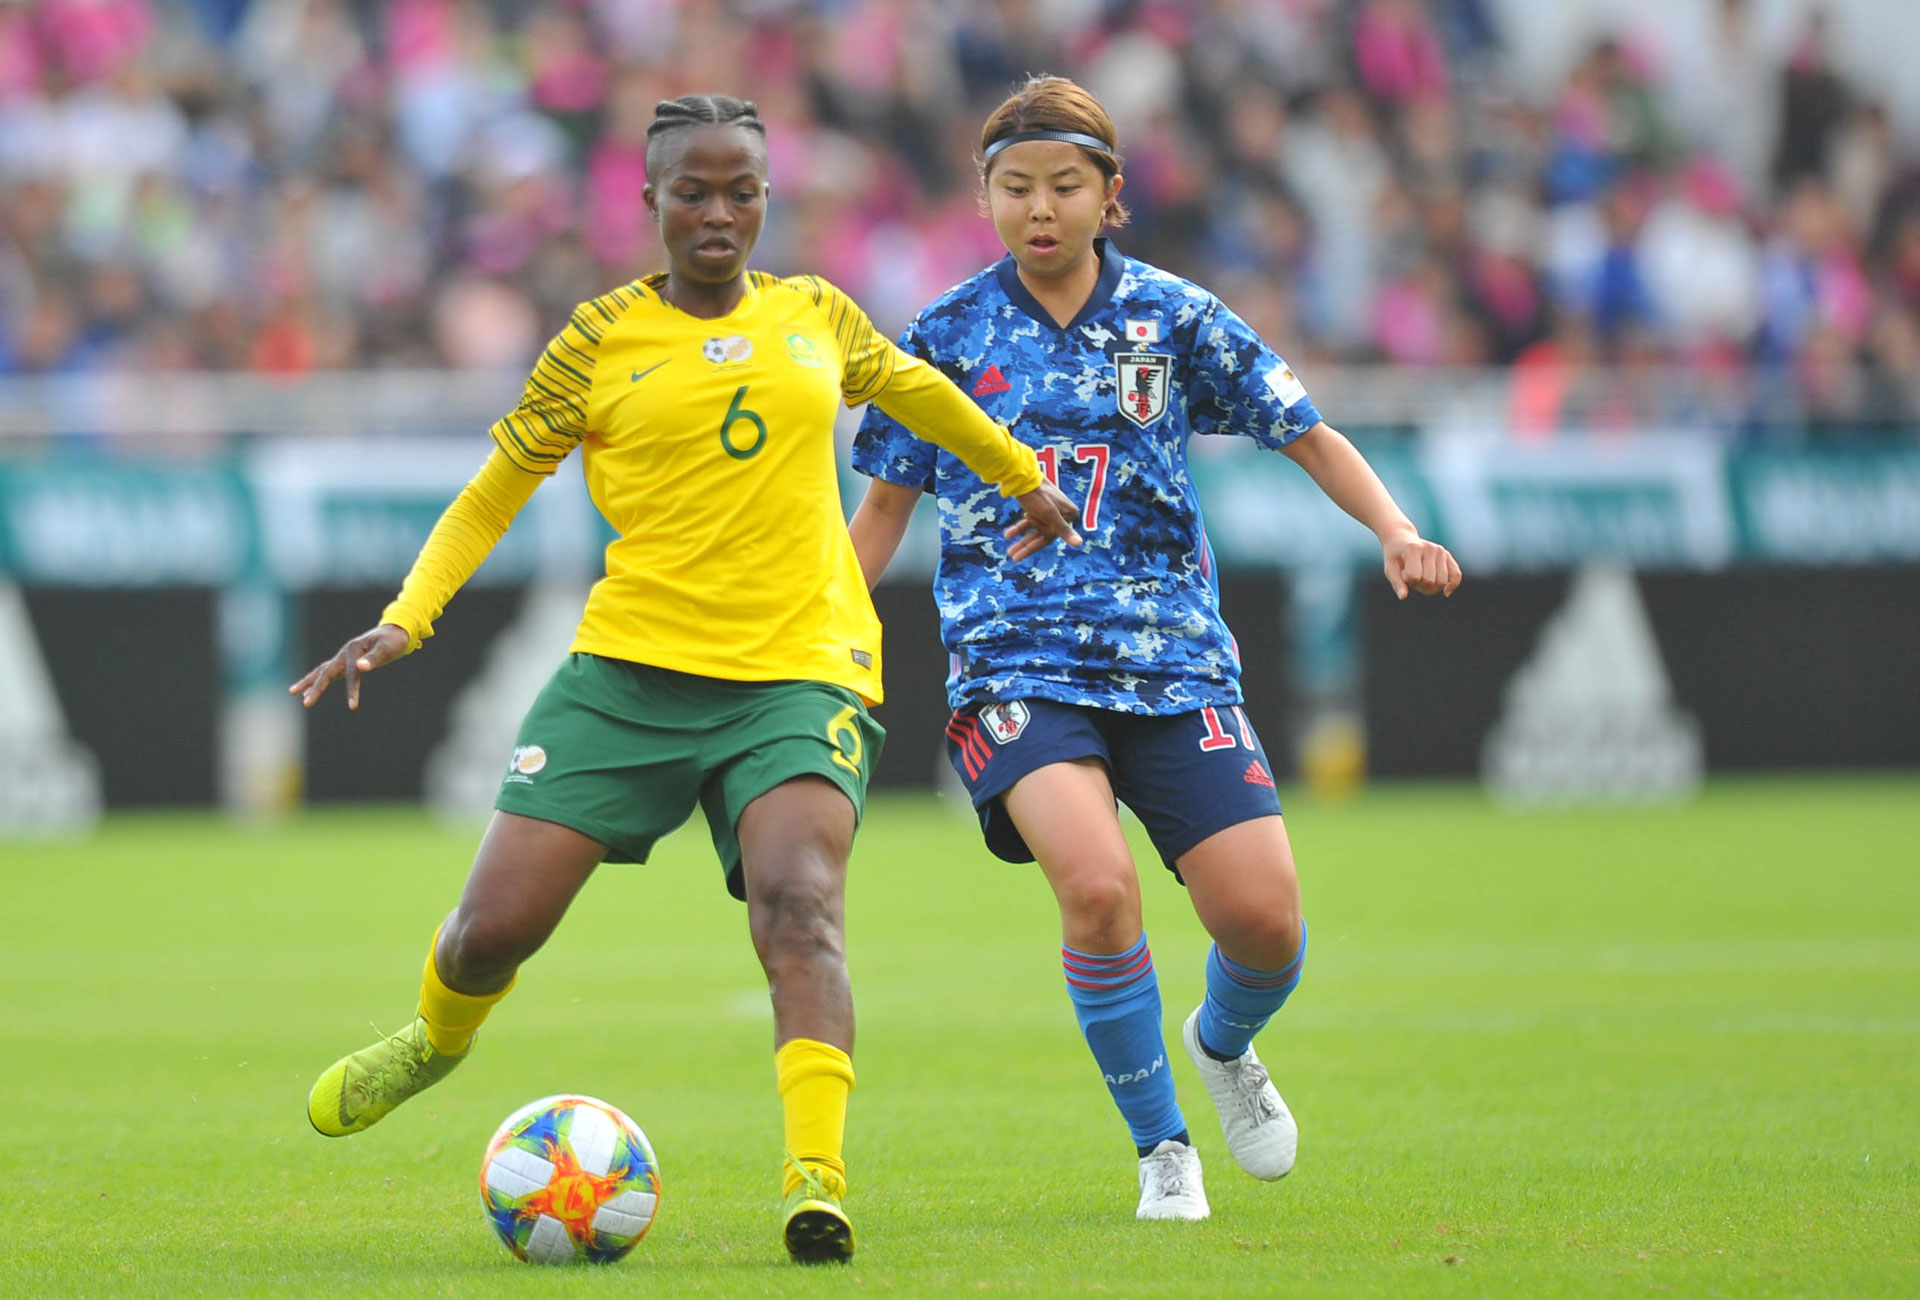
(1130, 621)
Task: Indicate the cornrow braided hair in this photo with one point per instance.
(700, 110)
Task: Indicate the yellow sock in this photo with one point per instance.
(815, 1079)
(452, 1018)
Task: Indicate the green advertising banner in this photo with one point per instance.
(1828, 505)
(102, 522)
(318, 512)
(1653, 500)
(1262, 511)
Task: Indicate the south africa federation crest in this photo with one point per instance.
(1140, 385)
(731, 350)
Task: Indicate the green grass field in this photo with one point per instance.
(1581, 1053)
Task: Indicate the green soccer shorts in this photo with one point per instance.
(623, 751)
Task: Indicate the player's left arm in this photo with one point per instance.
(1237, 384)
(1412, 562)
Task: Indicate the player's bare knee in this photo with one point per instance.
(1100, 908)
(1265, 940)
(478, 951)
(797, 917)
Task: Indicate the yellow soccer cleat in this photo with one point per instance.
(817, 1230)
(357, 1091)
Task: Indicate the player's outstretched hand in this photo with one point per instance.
(363, 654)
(1418, 565)
(1047, 513)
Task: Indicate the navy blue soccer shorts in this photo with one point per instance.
(1185, 775)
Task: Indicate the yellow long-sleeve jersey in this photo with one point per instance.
(709, 447)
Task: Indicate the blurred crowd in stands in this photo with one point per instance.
(282, 186)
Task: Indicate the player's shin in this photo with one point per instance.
(815, 1079)
(1240, 1000)
(1116, 999)
(452, 1018)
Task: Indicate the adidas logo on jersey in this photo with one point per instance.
(991, 382)
(1257, 774)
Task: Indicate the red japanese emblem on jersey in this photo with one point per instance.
(1140, 385)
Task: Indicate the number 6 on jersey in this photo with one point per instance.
(738, 414)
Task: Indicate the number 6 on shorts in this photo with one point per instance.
(847, 748)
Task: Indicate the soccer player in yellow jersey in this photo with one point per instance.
(727, 658)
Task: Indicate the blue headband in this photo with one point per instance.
(1092, 142)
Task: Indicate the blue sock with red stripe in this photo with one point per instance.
(1117, 1001)
(1240, 1000)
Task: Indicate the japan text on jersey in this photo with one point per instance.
(1108, 401)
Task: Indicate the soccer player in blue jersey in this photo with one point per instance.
(1105, 672)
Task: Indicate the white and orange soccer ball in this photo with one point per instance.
(568, 1179)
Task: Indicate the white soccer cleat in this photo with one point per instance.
(1259, 1128)
(1170, 1186)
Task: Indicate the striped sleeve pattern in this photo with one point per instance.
(867, 355)
(551, 418)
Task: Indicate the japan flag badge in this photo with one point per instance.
(1143, 331)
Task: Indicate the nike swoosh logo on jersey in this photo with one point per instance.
(638, 375)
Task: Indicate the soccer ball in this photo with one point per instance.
(569, 1178)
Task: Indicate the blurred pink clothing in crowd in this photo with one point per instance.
(1398, 53)
(291, 184)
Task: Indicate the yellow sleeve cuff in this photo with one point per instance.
(409, 621)
(1026, 481)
